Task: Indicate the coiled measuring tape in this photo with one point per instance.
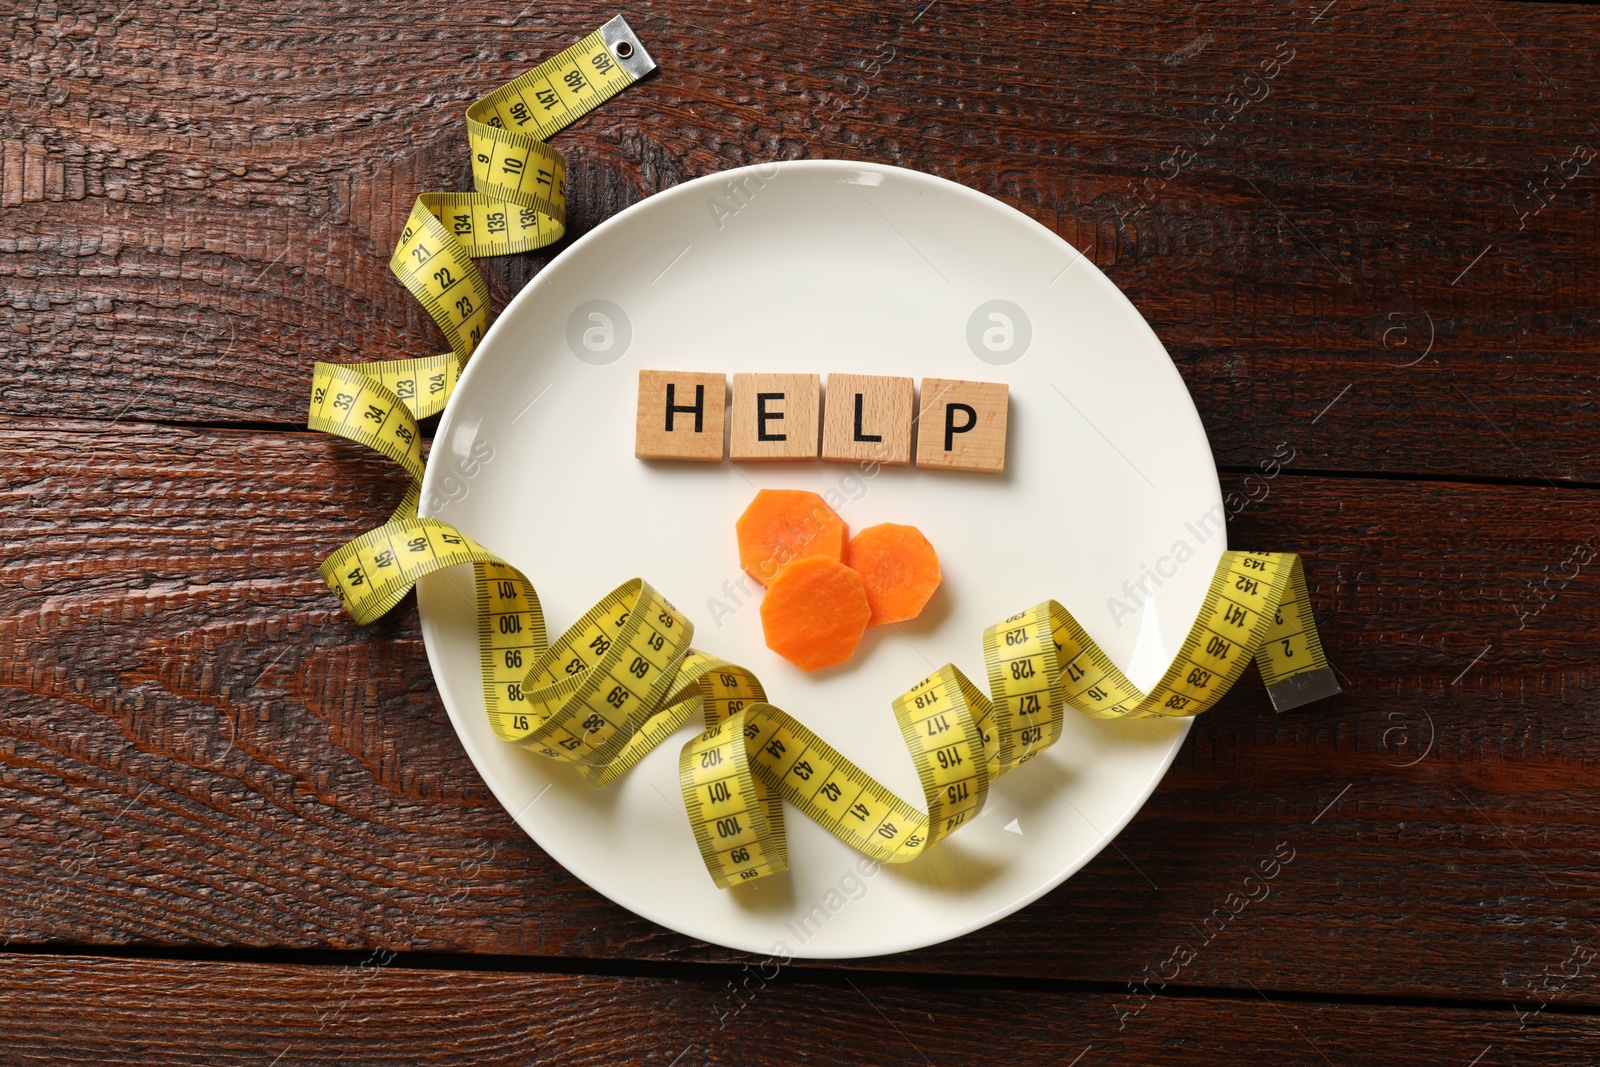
(624, 677)
(519, 204)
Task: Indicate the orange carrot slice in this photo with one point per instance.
(815, 612)
(899, 570)
(783, 525)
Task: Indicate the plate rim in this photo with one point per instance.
(445, 425)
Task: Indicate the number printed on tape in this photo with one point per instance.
(625, 677)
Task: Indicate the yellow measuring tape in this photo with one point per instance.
(624, 678)
(520, 204)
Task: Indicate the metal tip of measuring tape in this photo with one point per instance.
(625, 46)
(1304, 688)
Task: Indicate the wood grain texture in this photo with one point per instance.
(199, 200)
(868, 418)
(199, 749)
(775, 418)
(1366, 232)
(87, 1010)
(961, 425)
(681, 415)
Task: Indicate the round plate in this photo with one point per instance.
(1109, 503)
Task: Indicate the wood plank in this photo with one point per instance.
(200, 231)
(199, 749)
(95, 1010)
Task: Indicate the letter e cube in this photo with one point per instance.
(775, 416)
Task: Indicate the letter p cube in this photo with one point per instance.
(961, 425)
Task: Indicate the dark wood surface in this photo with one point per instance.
(371, 1009)
(224, 808)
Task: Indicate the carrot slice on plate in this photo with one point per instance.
(899, 570)
(815, 612)
(783, 525)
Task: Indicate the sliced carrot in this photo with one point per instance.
(815, 612)
(782, 525)
(899, 570)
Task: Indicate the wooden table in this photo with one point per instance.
(238, 829)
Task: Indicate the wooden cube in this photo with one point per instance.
(775, 416)
(680, 416)
(961, 426)
(867, 417)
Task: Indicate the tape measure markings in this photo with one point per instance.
(623, 678)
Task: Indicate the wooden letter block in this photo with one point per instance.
(680, 415)
(775, 416)
(867, 417)
(962, 425)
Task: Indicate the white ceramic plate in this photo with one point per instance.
(819, 266)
